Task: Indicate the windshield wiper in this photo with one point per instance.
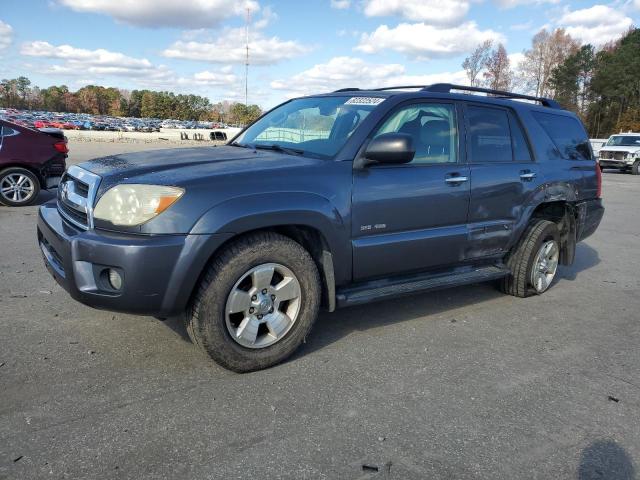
(278, 148)
(236, 144)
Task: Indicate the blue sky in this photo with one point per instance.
(296, 47)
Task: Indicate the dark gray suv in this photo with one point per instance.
(329, 200)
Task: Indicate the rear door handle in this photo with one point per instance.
(456, 180)
(527, 175)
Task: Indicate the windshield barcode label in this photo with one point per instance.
(364, 101)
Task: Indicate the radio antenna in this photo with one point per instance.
(246, 63)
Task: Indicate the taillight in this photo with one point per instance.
(599, 179)
(61, 147)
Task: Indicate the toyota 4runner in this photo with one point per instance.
(327, 201)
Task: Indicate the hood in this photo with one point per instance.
(180, 166)
(621, 148)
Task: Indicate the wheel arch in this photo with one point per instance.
(35, 171)
(309, 237)
(565, 215)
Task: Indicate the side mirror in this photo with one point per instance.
(390, 148)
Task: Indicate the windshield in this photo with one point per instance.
(315, 126)
(624, 141)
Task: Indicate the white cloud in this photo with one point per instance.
(342, 72)
(422, 41)
(433, 12)
(6, 35)
(98, 63)
(340, 4)
(515, 59)
(221, 78)
(99, 58)
(596, 25)
(165, 13)
(229, 47)
(518, 3)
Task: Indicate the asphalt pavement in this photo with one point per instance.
(465, 383)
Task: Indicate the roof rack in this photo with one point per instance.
(447, 87)
(397, 88)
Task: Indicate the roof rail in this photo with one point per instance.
(447, 87)
(396, 88)
(348, 89)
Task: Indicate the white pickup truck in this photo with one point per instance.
(622, 151)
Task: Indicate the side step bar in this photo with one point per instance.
(384, 289)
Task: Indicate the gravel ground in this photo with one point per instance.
(459, 384)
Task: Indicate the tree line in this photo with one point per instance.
(96, 100)
(601, 85)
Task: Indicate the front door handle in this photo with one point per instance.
(527, 175)
(456, 180)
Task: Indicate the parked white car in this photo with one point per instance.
(597, 144)
(622, 151)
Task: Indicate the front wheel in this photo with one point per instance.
(256, 302)
(534, 261)
(18, 187)
(635, 169)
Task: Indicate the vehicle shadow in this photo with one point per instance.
(331, 327)
(45, 196)
(586, 258)
(605, 459)
(334, 326)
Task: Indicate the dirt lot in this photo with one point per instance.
(465, 383)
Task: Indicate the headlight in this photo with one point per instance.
(133, 204)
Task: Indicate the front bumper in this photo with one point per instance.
(615, 163)
(159, 272)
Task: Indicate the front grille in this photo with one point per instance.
(82, 189)
(75, 215)
(76, 194)
(612, 155)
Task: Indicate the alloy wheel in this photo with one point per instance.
(263, 305)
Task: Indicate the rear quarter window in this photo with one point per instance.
(567, 134)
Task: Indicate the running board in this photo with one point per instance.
(384, 289)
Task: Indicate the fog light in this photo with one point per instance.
(115, 280)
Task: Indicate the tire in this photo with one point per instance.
(635, 169)
(522, 258)
(209, 323)
(22, 197)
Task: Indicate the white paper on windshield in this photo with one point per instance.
(364, 101)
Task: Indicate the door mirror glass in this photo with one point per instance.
(391, 148)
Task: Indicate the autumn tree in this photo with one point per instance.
(477, 61)
(548, 50)
(571, 80)
(498, 74)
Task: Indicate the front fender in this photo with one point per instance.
(264, 210)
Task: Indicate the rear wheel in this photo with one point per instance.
(256, 302)
(18, 187)
(534, 261)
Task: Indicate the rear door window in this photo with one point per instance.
(521, 152)
(567, 134)
(489, 135)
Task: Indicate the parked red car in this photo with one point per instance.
(30, 160)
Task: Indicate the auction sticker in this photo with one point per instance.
(364, 101)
